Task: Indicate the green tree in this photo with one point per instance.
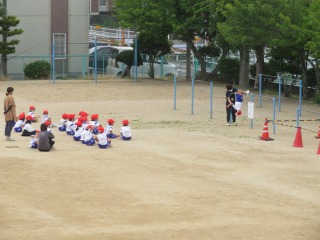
(153, 47)
(152, 19)
(7, 46)
(127, 57)
(249, 24)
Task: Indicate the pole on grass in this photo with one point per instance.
(211, 96)
(298, 117)
(192, 96)
(53, 77)
(260, 89)
(300, 96)
(279, 100)
(274, 114)
(136, 57)
(95, 60)
(174, 92)
(252, 100)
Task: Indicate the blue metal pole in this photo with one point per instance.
(136, 58)
(83, 66)
(192, 96)
(279, 100)
(211, 97)
(174, 92)
(300, 96)
(95, 60)
(274, 114)
(260, 89)
(298, 117)
(53, 63)
(252, 100)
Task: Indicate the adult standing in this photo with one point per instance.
(230, 101)
(9, 113)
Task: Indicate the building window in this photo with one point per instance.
(60, 46)
(102, 3)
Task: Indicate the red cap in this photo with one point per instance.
(94, 116)
(110, 120)
(38, 131)
(29, 117)
(32, 107)
(22, 116)
(79, 124)
(47, 123)
(80, 113)
(45, 111)
(89, 126)
(71, 116)
(125, 122)
(84, 114)
(65, 115)
(100, 129)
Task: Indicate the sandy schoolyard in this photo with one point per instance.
(182, 177)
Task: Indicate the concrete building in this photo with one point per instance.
(101, 7)
(64, 22)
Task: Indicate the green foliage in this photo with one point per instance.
(311, 77)
(127, 57)
(316, 97)
(37, 70)
(6, 23)
(230, 68)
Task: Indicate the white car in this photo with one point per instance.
(106, 63)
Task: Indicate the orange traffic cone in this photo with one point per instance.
(318, 149)
(298, 140)
(318, 136)
(265, 132)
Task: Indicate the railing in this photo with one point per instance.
(110, 33)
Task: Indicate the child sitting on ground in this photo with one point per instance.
(125, 130)
(109, 129)
(34, 140)
(101, 138)
(27, 129)
(45, 142)
(20, 123)
(31, 113)
(63, 122)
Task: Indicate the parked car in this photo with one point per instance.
(106, 63)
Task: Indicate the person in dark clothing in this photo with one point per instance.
(45, 142)
(230, 101)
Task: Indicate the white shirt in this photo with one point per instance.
(78, 132)
(102, 138)
(62, 122)
(125, 131)
(33, 139)
(45, 118)
(70, 126)
(88, 135)
(28, 127)
(19, 123)
(108, 129)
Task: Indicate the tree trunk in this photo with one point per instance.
(200, 58)
(259, 64)
(244, 67)
(4, 64)
(304, 75)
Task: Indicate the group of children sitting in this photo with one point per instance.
(91, 131)
(87, 131)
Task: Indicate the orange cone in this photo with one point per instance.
(265, 132)
(298, 140)
(318, 149)
(318, 133)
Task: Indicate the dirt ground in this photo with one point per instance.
(182, 176)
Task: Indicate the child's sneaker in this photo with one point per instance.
(239, 112)
(228, 124)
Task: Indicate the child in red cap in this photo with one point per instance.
(34, 140)
(125, 130)
(27, 129)
(101, 138)
(70, 124)
(95, 123)
(109, 129)
(88, 136)
(31, 113)
(78, 131)
(63, 122)
(20, 123)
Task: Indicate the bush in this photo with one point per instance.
(37, 70)
(230, 68)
